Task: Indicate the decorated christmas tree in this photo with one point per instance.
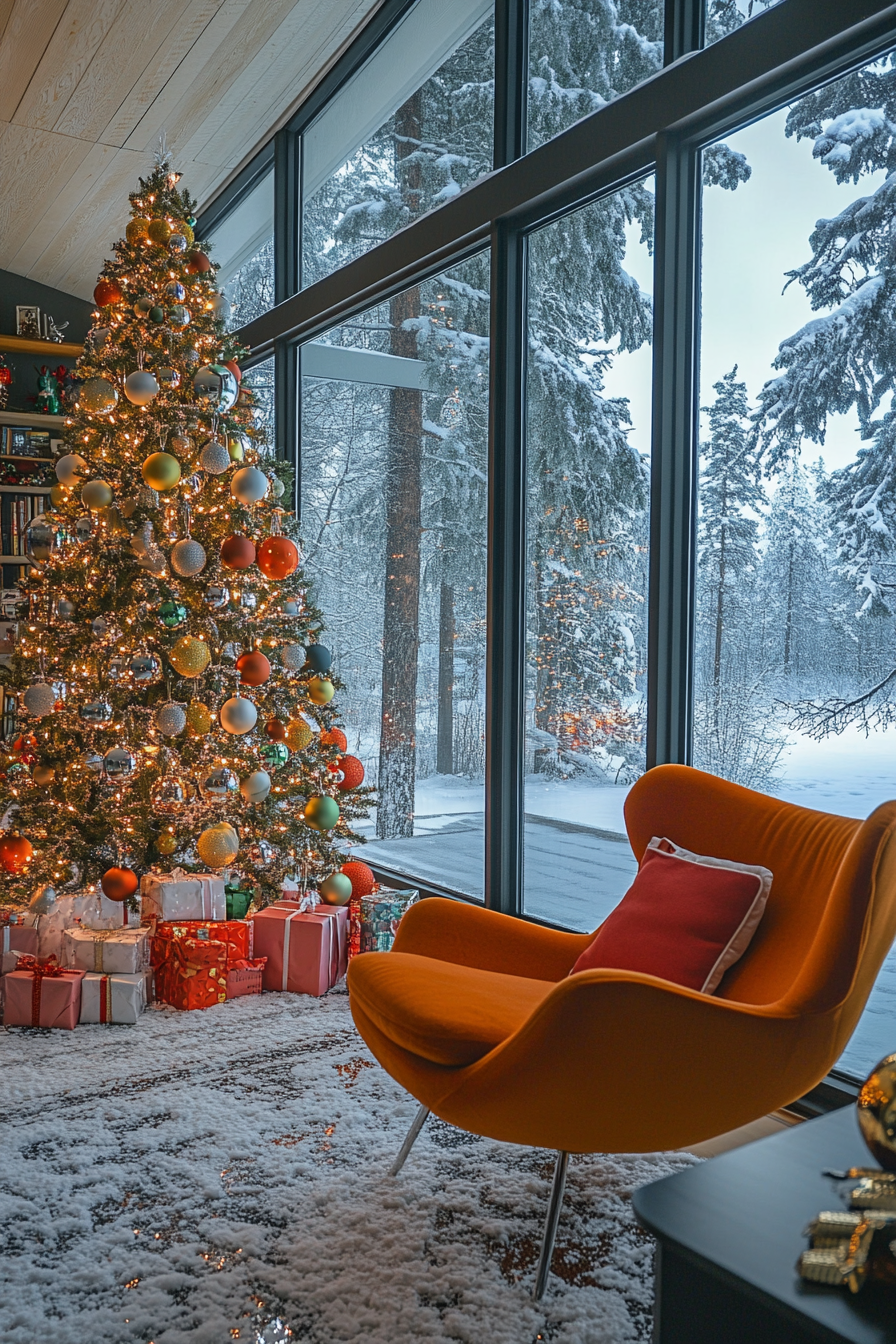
(173, 702)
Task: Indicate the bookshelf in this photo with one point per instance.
(27, 345)
(32, 418)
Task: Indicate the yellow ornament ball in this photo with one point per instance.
(137, 230)
(161, 471)
(184, 228)
(218, 846)
(166, 844)
(59, 494)
(321, 691)
(298, 735)
(199, 719)
(190, 656)
(159, 231)
(235, 449)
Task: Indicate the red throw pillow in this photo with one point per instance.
(685, 918)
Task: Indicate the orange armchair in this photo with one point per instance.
(476, 1015)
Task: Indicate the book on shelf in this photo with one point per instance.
(20, 441)
(16, 512)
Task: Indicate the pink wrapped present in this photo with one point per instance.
(42, 994)
(306, 950)
(245, 977)
(15, 936)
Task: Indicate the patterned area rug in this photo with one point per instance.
(222, 1175)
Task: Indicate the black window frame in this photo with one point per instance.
(658, 127)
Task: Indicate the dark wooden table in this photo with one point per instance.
(729, 1233)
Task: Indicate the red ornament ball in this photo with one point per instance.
(254, 668)
(25, 742)
(197, 263)
(237, 552)
(353, 773)
(360, 876)
(106, 292)
(334, 737)
(234, 368)
(15, 853)
(278, 557)
(275, 730)
(119, 883)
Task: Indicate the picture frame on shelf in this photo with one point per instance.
(28, 321)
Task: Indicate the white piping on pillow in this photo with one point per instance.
(743, 935)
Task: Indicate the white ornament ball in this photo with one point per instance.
(39, 699)
(140, 387)
(187, 558)
(277, 488)
(220, 307)
(214, 457)
(292, 656)
(238, 715)
(43, 901)
(249, 485)
(256, 787)
(70, 468)
(171, 719)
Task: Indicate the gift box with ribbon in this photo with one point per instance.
(82, 909)
(112, 998)
(194, 974)
(179, 895)
(245, 977)
(107, 951)
(42, 994)
(17, 936)
(375, 919)
(306, 945)
(238, 900)
(235, 934)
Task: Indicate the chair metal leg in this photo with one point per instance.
(410, 1140)
(550, 1225)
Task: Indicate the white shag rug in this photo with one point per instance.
(221, 1175)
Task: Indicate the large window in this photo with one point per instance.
(394, 467)
(588, 439)
(407, 133)
(796, 591)
(243, 245)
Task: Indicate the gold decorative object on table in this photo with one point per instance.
(849, 1247)
(876, 1108)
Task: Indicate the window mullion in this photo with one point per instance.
(511, 79)
(684, 28)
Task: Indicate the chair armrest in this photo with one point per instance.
(468, 935)
(615, 1062)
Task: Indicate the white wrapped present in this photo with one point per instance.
(180, 895)
(112, 998)
(9, 961)
(83, 909)
(106, 951)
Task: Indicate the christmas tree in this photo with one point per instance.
(174, 704)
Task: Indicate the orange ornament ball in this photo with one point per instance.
(119, 883)
(352, 772)
(360, 876)
(275, 730)
(334, 737)
(15, 853)
(106, 292)
(234, 368)
(237, 552)
(197, 263)
(254, 668)
(278, 557)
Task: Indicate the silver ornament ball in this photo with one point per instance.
(171, 719)
(187, 558)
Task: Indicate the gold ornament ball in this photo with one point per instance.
(166, 844)
(321, 691)
(137, 230)
(184, 228)
(43, 775)
(161, 471)
(190, 656)
(298, 735)
(199, 719)
(217, 846)
(96, 495)
(159, 231)
(235, 449)
(98, 396)
(59, 494)
(876, 1107)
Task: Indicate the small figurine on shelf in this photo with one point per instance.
(52, 330)
(47, 401)
(5, 380)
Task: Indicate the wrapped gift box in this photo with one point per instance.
(112, 998)
(42, 995)
(107, 951)
(83, 909)
(235, 934)
(245, 977)
(17, 936)
(238, 899)
(194, 974)
(375, 919)
(9, 961)
(307, 951)
(181, 896)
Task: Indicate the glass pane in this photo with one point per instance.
(394, 476)
(585, 53)
(407, 133)
(243, 245)
(258, 382)
(797, 522)
(588, 440)
(723, 16)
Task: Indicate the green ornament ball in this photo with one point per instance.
(336, 889)
(157, 314)
(172, 614)
(321, 813)
(274, 754)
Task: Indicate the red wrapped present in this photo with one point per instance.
(374, 919)
(194, 974)
(245, 977)
(236, 934)
(42, 994)
(307, 951)
(15, 936)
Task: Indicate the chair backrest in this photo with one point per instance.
(831, 915)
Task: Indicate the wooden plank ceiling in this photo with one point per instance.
(88, 86)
